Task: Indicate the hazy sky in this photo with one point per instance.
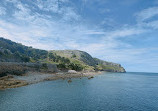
(121, 31)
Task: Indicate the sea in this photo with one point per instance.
(131, 91)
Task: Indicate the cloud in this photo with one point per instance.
(147, 18)
(59, 33)
(153, 24)
(2, 11)
(52, 25)
(93, 32)
(70, 15)
(59, 8)
(124, 32)
(49, 5)
(147, 14)
(32, 28)
(109, 22)
(23, 12)
(55, 6)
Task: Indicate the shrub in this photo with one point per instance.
(44, 66)
(73, 56)
(76, 67)
(11, 69)
(61, 66)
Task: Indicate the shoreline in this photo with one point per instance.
(12, 81)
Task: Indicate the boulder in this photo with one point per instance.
(72, 71)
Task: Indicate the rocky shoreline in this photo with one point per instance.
(14, 81)
(10, 82)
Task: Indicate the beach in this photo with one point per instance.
(13, 81)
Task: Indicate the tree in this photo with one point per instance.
(61, 66)
(73, 56)
(76, 67)
(25, 58)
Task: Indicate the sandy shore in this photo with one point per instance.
(35, 77)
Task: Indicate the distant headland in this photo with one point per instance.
(17, 60)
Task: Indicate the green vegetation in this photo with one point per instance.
(15, 52)
(72, 66)
(58, 59)
(64, 59)
(86, 62)
(11, 69)
(73, 56)
(108, 68)
(64, 63)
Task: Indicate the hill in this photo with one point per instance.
(15, 52)
(88, 62)
(64, 59)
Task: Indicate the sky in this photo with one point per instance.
(120, 31)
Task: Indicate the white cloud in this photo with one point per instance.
(145, 18)
(93, 32)
(23, 12)
(69, 15)
(146, 14)
(59, 7)
(109, 22)
(42, 30)
(2, 11)
(153, 24)
(38, 26)
(49, 5)
(124, 32)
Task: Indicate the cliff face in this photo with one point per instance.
(109, 66)
(64, 59)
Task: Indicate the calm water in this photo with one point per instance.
(107, 92)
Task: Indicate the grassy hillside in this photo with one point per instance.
(76, 55)
(65, 59)
(78, 60)
(14, 52)
(88, 62)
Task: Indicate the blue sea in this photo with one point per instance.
(105, 92)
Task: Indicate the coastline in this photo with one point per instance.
(12, 81)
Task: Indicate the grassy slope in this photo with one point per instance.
(87, 60)
(14, 52)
